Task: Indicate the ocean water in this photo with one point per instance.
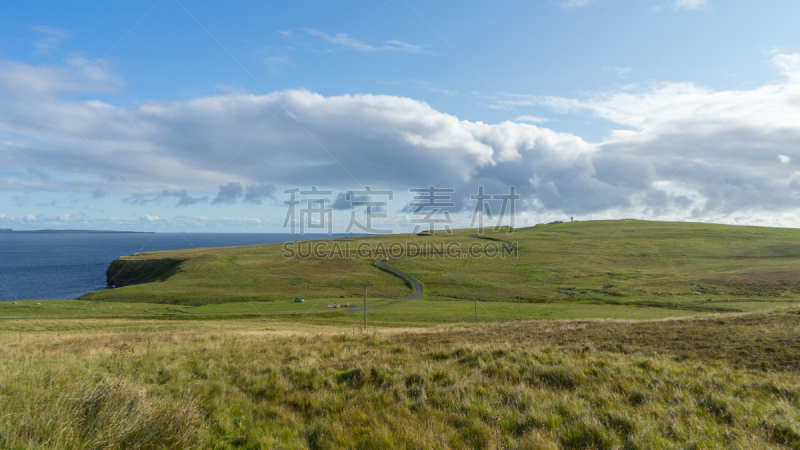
(40, 266)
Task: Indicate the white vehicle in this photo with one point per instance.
(298, 299)
(385, 259)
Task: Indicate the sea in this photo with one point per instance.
(67, 265)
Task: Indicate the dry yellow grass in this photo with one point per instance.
(728, 381)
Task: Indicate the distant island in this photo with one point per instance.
(9, 230)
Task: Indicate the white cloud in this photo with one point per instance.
(618, 71)
(689, 4)
(30, 217)
(679, 149)
(343, 39)
(784, 159)
(77, 74)
(386, 141)
(531, 119)
(712, 143)
(51, 41)
(788, 64)
(404, 47)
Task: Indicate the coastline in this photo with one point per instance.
(67, 265)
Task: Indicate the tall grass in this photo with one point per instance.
(519, 386)
(52, 412)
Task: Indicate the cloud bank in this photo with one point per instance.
(679, 150)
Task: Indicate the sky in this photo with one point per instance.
(190, 116)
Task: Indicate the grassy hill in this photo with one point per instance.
(623, 269)
(688, 265)
(660, 264)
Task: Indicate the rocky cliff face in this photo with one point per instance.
(115, 281)
(125, 272)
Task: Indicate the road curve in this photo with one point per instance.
(417, 287)
(413, 296)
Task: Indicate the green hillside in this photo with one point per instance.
(675, 268)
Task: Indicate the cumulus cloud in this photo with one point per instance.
(679, 150)
(720, 145)
(256, 193)
(184, 199)
(228, 193)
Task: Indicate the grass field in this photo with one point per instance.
(415, 313)
(593, 335)
(603, 269)
(715, 381)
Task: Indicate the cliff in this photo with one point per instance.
(124, 272)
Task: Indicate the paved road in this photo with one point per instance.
(413, 296)
(417, 287)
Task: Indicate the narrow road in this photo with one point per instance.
(413, 296)
(417, 287)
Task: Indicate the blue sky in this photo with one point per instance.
(194, 116)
